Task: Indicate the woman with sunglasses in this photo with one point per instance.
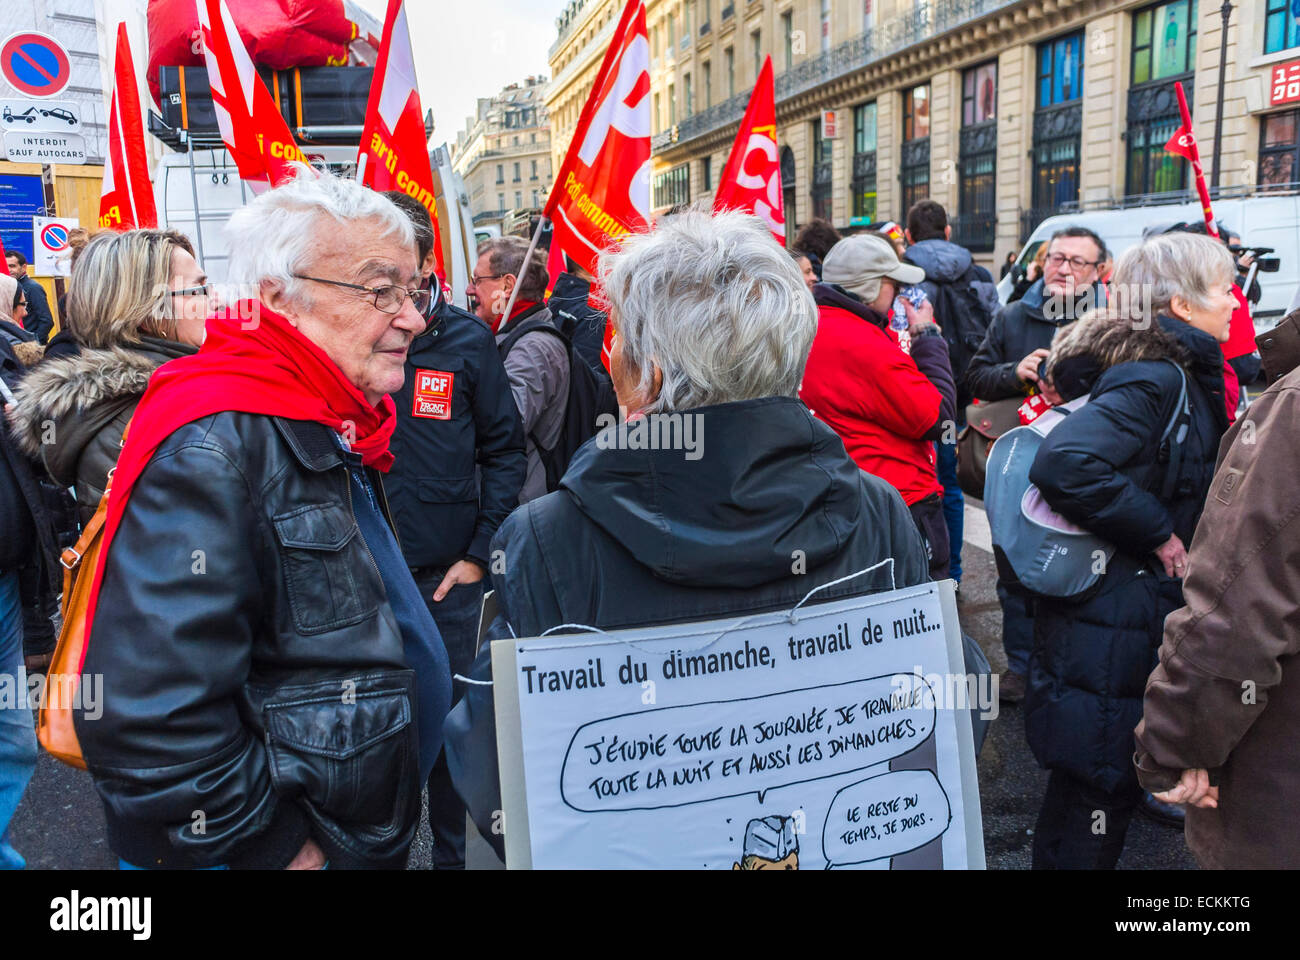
(136, 300)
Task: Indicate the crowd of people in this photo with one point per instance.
(314, 484)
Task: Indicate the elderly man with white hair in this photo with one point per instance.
(273, 687)
(720, 495)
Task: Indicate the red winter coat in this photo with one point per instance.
(861, 385)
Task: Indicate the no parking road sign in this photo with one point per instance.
(50, 241)
(35, 64)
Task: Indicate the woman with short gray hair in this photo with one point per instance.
(1133, 466)
(720, 495)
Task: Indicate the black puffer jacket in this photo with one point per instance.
(582, 323)
(637, 537)
(71, 411)
(1100, 469)
(261, 682)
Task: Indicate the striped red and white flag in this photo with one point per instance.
(254, 132)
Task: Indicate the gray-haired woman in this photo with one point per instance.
(712, 328)
(1109, 468)
(137, 299)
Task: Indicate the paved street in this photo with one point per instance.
(1011, 784)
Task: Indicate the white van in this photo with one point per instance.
(1260, 221)
(198, 200)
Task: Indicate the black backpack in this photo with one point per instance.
(963, 318)
(591, 394)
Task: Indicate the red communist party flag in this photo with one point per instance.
(394, 152)
(253, 129)
(751, 181)
(1183, 143)
(126, 198)
(602, 189)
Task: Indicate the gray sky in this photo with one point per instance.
(466, 49)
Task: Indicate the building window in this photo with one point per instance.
(519, 199)
(501, 173)
(659, 113)
(672, 105)
(787, 29)
(821, 173)
(706, 172)
(864, 164)
(756, 39)
(673, 187)
(1279, 147)
(1058, 125)
(672, 36)
(1280, 30)
(729, 55)
(517, 177)
(915, 169)
(826, 25)
(708, 85)
(690, 96)
(1164, 53)
(534, 173)
(977, 205)
(788, 171)
(501, 201)
(1164, 41)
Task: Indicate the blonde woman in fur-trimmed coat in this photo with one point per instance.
(136, 300)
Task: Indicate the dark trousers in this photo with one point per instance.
(954, 501)
(928, 516)
(457, 616)
(1017, 626)
(1081, 827)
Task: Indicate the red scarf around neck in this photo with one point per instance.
(269, 369)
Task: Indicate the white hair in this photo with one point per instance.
(272, 237)
(717, 304)
(1150, 274)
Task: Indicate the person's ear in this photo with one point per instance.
(273, 295)
(1180, 307)
(508, 283)
(908, 235)
(656, 383)
(947, 232)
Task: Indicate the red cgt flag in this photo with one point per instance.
(253, 129)
(602, 189)
(751, 181)
(1183, 143)
(126, 198)
(394, 152)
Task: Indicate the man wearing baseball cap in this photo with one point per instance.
(887, 407)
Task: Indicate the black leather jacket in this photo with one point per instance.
(254, 690)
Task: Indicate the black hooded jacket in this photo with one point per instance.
(582, 323)
(640, 537)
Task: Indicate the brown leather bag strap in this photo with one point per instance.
(71, 556)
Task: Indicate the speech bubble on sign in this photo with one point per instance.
(674, 756)
(884, 816)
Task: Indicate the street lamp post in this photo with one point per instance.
(1225, 12)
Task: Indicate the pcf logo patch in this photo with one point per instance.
(433, 394)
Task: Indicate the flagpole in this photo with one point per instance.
(1201, 189)
(523, 269)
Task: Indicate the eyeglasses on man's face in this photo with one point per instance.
(387, 298)
(475, 281)
(1076, 263)
(202, 290)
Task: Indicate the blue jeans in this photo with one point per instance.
(17, 735)
(954, 504)
(457, 616)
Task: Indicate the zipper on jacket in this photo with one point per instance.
(352, 510)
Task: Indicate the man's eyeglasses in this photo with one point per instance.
(475, 281)
(1077, 263)
(387, 299)
(204, 290)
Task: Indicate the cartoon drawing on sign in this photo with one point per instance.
(770, 844)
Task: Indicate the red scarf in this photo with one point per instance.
(269, 370)
(520, 307)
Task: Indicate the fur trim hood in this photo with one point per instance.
(1109, 339)
(71, 387)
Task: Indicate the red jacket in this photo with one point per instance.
(861, 385)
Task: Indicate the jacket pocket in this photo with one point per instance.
(322, 550)
(347, 746)
(447, 489)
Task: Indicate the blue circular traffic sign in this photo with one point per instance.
(35, 64)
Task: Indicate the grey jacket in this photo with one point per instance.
(538, 368)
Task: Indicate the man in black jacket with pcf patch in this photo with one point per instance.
(459, 463)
